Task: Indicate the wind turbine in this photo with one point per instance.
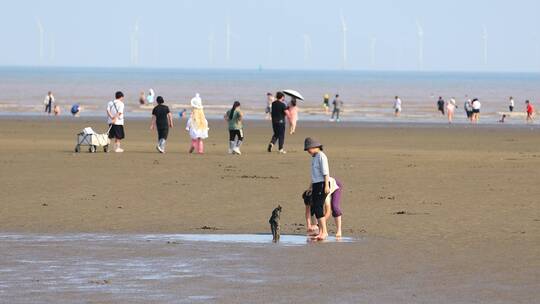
(41, 40)
(228, 41)
(135, 44)
(373, 47)
(420, 45)
(270, 50)
(307, 49)
(344, 32)
(211, 42)
(52, 51)
(485, 41)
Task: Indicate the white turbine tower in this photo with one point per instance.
(485, 41)
(52, 51)
(373, 48)
(270, 50)
(135, 44)
(211, 42)
(41, 40)
(420, 45)
(307, 49)
(228, 41)
(344, 32)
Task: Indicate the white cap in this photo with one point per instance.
(196, 102)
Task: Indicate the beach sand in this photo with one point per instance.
(447, 214)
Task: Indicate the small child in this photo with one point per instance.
(333, 203)
(292, 115)
(197, 126)
(320, 184)
(530, 111)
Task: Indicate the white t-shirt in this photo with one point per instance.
(114, 110)
(319, 167)
(476, 105)
(397, 104)
(511, 102)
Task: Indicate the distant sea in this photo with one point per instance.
(368, 96)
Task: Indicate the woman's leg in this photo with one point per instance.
(200, 146)
(193, 145)
(336, 207)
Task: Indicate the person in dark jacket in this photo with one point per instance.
(278, 113)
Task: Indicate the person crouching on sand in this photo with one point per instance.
(115, 118)
(197, 126)
(332, 206)
(320, 184)
(161, 121)
(236, 130)
(292, 115)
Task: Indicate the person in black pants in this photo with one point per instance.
(162, 121)
(278, 122)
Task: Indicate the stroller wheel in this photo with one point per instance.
(106, 148)
(77, 149)
(92, 149)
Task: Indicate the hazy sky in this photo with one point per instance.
(271, 33)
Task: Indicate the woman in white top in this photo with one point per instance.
(476, 105)
(397, 106)
(197, 126)
(450, 109)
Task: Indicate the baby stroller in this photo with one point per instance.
(93, 140)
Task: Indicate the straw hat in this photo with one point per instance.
(311, 143)
(196, 102)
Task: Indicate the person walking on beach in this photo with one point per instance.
(397, 106)
(278, 122)
(48, 102)
(467, 106)
(269, 100)
(292, 115)
(450, 109)
(338, 106)
(440, 105)
(236, 129)
(530, 112)
(161, 121)
(511, 104)
(197, 125)
(320, 183)
(476, 106)
(115, 118)
(326, 103)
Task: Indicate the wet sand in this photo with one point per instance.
(447, 214)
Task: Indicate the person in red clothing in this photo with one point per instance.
(530, 112)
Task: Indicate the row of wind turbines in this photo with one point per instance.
(308, 47)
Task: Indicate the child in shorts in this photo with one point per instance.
(332, 203)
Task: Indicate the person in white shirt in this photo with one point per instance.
(115, 119)
(511, 104)
(397, 106)
(48, 102)
(476, 105)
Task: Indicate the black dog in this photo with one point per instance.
(274, 224)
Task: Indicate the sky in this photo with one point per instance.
(274, 34)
